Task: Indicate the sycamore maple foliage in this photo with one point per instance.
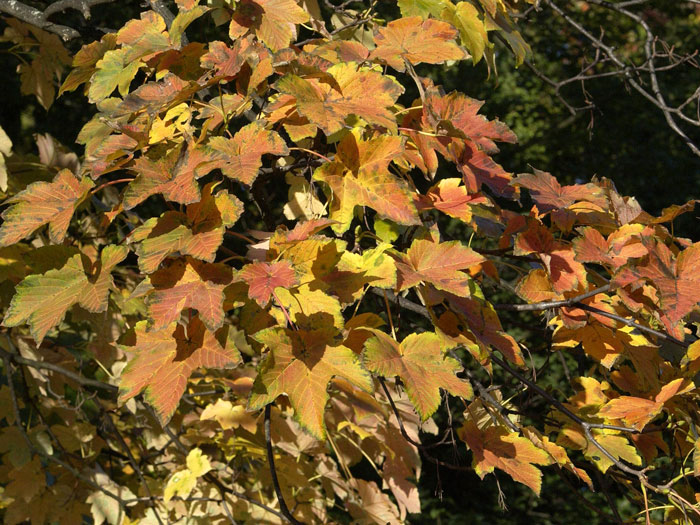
(250, 269)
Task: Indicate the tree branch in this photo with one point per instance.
(273, 472)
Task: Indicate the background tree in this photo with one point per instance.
(357, 309)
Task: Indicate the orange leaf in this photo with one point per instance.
(359, 177)
(173, 174)
(439, 264)
(422, 366)
(241, 157)
(495, 447)
(188, 283)
(550, 195)
(349, 90)
(51, 203)
(198, 233)
(263, 278)
(164, 359)
(274, 21)
(451, 198)
(417, 41)
(633, 411)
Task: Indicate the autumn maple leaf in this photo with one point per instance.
(452, 198)
(440, 264)
(417, 41)
(263, 278)
(164, 359)
(348, 90)
(51, 203)
(274, 21)
(300, 364)
(198, 232)
(420, 361)
(43, 300)
(495, 447)
(549, 195)
(241, 157)
(187, 283)
(676, 279)
(173, 175)
(359, 176)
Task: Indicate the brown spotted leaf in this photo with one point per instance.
(163, 360)
(51, 203)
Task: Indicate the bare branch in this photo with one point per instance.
(273, 472)
(37, 18)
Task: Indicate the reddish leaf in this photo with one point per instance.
(300, 364)
(621, 245)
(677, 280)
(550, 195)
(241, 157)
(188, 283)
(417, 41)
(457, 115)
(557, 258)
(226, 61)
(439, 264)
(174, 175)
(263, 278)
(422, 366)
(163, 361)
(51, 203)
